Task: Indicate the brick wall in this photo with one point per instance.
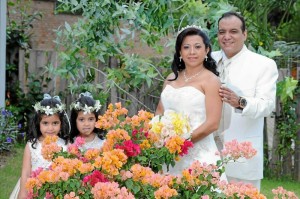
(42, 31)
(43, 34)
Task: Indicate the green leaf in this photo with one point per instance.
(286, 88)
(136, 189)
(67, 26)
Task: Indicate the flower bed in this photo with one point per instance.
(129, 164)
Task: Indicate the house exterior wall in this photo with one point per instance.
(43, 30)
(43, 33)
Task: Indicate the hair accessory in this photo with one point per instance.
(46, 109)
(189, 26)
(47, 96)
(86, 109)
(86, 94)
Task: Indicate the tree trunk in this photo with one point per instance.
(114, 96)
(275, 159)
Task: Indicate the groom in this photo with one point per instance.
(248, 93)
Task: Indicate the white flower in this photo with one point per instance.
(48, 110)
(97, 106)
(155, 119)
(60, 108)
(169, 125)
(37, 106)
(77, 105)
(87, 109)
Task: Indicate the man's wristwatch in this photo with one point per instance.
(242, 102)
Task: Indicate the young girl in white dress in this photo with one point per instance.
(49, 119)
(84, 114)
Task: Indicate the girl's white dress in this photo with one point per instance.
(37, 161)
(96, 143)
(190, 101)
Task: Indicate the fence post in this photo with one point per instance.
(297, 142)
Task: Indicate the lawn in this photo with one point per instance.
(269, 184)
(10, 173)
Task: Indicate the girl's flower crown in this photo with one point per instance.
(189, 26)
(46, 109)
(86, 109)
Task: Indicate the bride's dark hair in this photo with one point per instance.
(178, 65)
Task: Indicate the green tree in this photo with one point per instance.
(102, 40)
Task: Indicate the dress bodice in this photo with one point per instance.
(191, 102)
(96, 143)
(37, 159)
(187, 100)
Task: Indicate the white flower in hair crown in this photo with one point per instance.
(86, 109)
(189, 26)
(46, 109)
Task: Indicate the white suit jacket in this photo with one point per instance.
(253, 77)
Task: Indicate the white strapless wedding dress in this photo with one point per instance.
(190, 101)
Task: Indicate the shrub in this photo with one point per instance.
(9, 130)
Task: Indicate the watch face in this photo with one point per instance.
(243, 102)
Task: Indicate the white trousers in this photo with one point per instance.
(255, 183)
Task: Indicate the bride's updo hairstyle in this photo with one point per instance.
(179, 65)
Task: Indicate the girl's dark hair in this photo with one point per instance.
(34, 131)
(89, 101)
(178, 65)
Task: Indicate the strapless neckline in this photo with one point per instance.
(185, 87)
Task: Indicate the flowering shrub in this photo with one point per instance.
(9, 130)
(129, 164)
(280, 192)
(138, 139)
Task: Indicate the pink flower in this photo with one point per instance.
(131, 149)
(72, 195)
(36, 172)
(185, 147)
(237, 150)
(74, 150)
(125, 174)
(94, 178)
(280, 192)
(205, 197)
(107, 190)
(48, 195)
(79, 141)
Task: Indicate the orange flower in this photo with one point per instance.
(174, 144)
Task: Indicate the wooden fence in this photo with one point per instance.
(35, 62)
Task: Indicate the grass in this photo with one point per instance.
(10, 173)
(268, 184)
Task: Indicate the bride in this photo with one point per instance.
(193, 89)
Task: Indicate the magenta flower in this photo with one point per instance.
(94, 178)
(185, 147)
(131, 149)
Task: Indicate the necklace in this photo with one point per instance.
(186, 79)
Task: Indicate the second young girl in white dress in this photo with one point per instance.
(84, 114)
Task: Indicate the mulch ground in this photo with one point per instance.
(4, 157)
